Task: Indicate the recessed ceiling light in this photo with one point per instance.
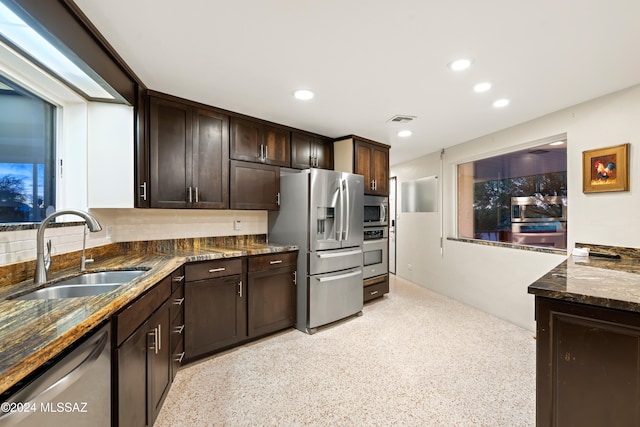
(303, 94)
(501, 103)
(482, 87)
(557, 143)
(460, 64)
(404, 133)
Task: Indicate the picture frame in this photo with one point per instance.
(605, 169)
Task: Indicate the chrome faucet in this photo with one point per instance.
(41, 269)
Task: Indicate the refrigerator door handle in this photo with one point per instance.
(339, 254)
(347, 209)
(341, 204)
(339, 276)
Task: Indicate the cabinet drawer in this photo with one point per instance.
(211, 269)
(127, 321)
(279, 260)
(177, 278)
(376, 290)
(177, 303)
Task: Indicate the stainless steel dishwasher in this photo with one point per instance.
(75, 390)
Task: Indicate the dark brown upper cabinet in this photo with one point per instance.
(254, 186)
(372, 162)
(254, 141)
(364, 157)
(188, 150)
(309, 151)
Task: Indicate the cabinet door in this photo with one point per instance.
(362, 164)
(246, 140)
(210, 159)
(131, 362)
(170, 136)
(380, 173)
(254, 186)
(272, 300)
(159, 360)
(214, 314)
(301, 150)
(276, 143)
(324, 154)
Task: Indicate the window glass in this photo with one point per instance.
(27, 155)
(518, 197)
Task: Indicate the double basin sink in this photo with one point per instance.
(84, 285)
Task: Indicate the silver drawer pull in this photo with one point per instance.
(279, 261)
(179, 357)
(339, 276)
(217, 270)
(339, 254)
(179, 329)
(373, 292)
(178, 301)
(178, 279)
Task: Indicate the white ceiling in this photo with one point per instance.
(368, 60)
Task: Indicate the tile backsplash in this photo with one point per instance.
(129, 225)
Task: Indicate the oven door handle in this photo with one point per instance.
(383, 213)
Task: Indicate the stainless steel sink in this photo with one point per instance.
(102, 278)
(69, 291)
(84, 285)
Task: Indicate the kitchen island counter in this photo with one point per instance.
(34, 331)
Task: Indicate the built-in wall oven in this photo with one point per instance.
(375, 211)
(375, 252)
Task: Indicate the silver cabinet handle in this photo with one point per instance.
(278, 261)
(373, 184)
(266, 152)
(179, 357)
(373, 292)
(278, 199)
(159, 338)
(178, 301)
(217, 270)
(178, 278)
(295, 277)
(240, 288)
(179, 329)
(144, 191)
(190, 195)
(154, 347)
(196, 194)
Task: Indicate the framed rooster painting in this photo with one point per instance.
(605, 169)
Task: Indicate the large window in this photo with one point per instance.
(518, 197)
(27, 155)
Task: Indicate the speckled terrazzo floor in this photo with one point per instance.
(414, 358)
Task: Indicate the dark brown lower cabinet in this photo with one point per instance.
(215, 308)
(272, 293)
(588, 365)
(142, 358)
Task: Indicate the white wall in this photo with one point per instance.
(126, 225)
(495, 279)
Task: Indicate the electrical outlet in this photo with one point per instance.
(109, 231)
(410, 267)
(237, 225)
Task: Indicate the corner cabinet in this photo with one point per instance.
(271, 288)
(188, 152)
(254, 186)
(254, 141)
(309, 151)
(367, 158)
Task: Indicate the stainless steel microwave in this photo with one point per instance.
(375, 211)
(538, 209)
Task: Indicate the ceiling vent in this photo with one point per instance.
(538, 151)
(398, 118)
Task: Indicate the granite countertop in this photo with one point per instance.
(34, 331)
(610, 283)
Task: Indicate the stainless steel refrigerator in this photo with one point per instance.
(322, 212)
